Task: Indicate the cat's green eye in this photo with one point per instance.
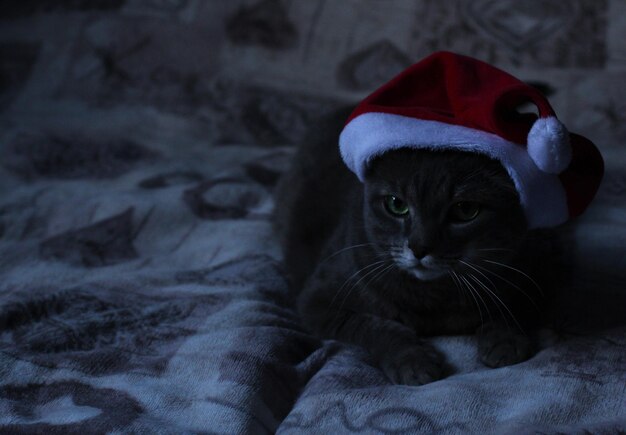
(395, 206)
(464, 211)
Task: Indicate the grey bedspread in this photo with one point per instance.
(141, 288)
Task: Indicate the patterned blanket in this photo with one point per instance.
(141, 288)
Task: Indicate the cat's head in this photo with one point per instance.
(433, 211)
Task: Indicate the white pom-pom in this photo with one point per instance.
(548, 145)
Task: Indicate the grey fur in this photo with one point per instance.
(347, 256)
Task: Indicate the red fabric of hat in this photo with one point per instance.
(457, 102)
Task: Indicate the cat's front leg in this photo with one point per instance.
(414, 364)
(502, 345)
(402, 357)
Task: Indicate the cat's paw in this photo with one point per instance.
(413, 365)
(501, 347)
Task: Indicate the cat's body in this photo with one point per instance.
(382, 279)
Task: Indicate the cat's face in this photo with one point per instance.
(431, 212)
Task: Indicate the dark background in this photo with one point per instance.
(256, 71)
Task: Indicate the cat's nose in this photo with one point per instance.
(422, 240)
(420, 251)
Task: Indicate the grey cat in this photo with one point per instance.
(432, 243)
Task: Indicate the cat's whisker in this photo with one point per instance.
(505, 306)
(475, 266)
(370, 272)
(491, 291)
(473, 289)
(459, 286)
(352, 277)
(374, 265)
(486, 277)
(385, 288)
(493, 299)
(345, 249)
(379, 275)
(510, 283)
(518, 271)
(355, 285)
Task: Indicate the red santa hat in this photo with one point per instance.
(449, 101)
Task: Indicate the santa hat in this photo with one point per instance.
(449, 101)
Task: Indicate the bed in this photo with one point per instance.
(141, 286)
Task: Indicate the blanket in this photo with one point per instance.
(141, 286)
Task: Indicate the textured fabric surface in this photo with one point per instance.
(141, 289)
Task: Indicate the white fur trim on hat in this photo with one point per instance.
(548, 145)
(371, 134)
